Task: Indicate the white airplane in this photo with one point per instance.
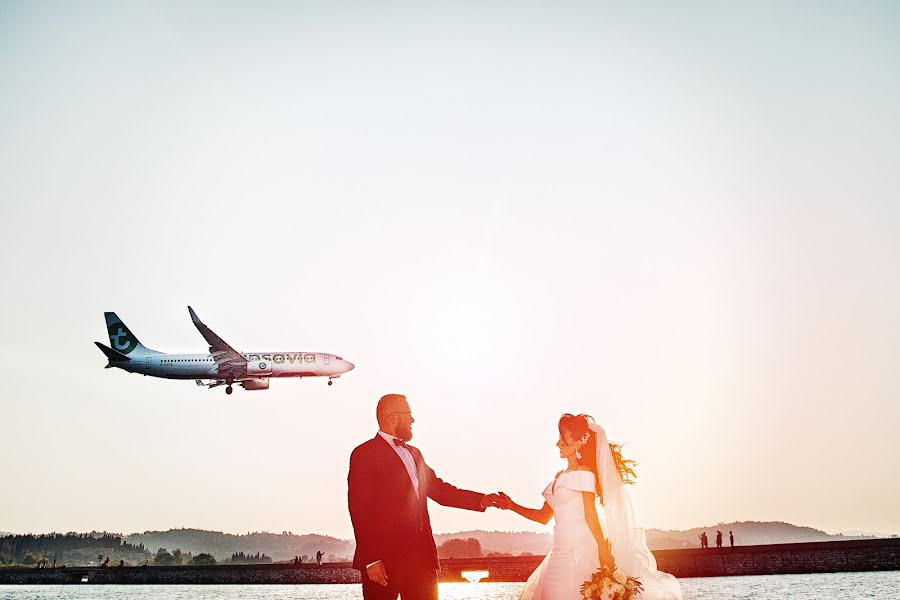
(222, 366)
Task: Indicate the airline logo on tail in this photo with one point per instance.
(120, 337)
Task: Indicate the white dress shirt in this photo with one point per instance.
(406, 456)
(408, 462)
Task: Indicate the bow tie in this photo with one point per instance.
(401, 443)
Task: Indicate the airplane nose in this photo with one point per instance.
(349, 365)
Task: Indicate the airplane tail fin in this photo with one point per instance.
(121, 339)
(112, 355)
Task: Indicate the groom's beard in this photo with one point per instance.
(404, 432)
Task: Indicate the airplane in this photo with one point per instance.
(222, 366)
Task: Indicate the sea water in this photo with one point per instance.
(881, 585)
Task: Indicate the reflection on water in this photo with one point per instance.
(473, 591)
(846, 586)
(880, 585)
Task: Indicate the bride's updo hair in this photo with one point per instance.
(577, 426)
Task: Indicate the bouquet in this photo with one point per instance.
(608, 583)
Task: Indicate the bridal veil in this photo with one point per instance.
(629, 544)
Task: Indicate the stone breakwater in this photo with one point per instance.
(812, 557)
(186, 575)
(779, 559)
(815, 557)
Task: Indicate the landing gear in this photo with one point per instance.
(229, 390)
(330, 382)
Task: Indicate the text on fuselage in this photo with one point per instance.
(300, 357)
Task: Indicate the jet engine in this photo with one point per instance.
(259, 367)
(255, 384)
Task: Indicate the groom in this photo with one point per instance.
(389, 486)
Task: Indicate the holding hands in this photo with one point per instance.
(489, 500)
(497, 500)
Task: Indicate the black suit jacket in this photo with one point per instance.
(389, 519)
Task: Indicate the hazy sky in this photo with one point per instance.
(684, 220)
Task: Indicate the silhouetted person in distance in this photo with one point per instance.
(718, 539)
(731, 538)
(704, 541)
(319, 556)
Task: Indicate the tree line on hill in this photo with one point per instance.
(281, 547)
(68, 548)
(164, 558)
(239, 558)
(101, 549)
(192, 544)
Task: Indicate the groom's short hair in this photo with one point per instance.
(387, 405)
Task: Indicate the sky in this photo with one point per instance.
(682, 220)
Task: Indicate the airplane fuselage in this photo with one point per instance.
(222, 365)
(260, 365)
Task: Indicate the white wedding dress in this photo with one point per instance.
(575, 555)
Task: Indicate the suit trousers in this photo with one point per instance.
(415, 578)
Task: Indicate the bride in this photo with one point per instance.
(595, 470)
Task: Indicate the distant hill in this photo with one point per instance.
(505, 542)
(868, 534)
(746, 533)
(285, 546)
(70, 548)
(280, 546)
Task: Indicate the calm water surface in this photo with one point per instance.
(844, 586)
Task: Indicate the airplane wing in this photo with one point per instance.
(229, 361)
